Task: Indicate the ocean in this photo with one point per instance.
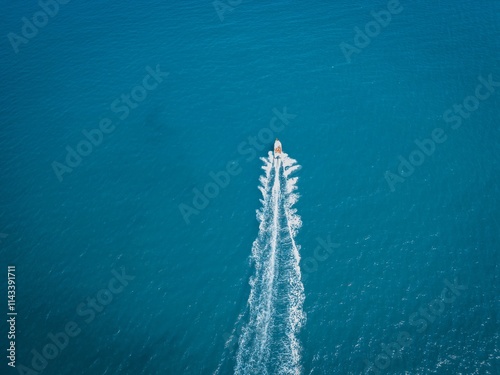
(137, 202)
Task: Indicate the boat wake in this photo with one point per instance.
(268, 342)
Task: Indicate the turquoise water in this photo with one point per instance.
(371, 256)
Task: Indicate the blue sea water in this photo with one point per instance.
(183, 309)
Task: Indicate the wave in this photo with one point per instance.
(268, 343)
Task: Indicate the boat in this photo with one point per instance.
(277, 148)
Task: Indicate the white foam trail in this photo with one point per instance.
(268, 343)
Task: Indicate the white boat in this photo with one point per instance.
(277, 148)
